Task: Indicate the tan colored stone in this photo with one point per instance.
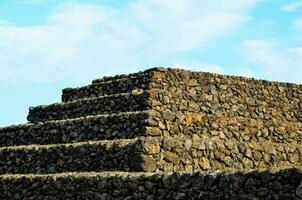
(205, 163)
(196, 163)
(294, 158)
(158, 75)
(192, 82)
(223, 122)
(257, 155)
(247, 163)
(196, 138)
(198, 117)
(223, 87)
(188, 144)
(186, 158)
(248, 153)
(168, 115)
(281, 89)
(188, 120)
(228, 160)
(171, 157)
(151, 146)
(209, 97)
(188, 168)
(270, 150)
(262, 164)
(166, 100)
(161, 125)
(267, 158)
(137, 91)
(148, 163)
(260, 124)
(166, 133)
(168, 167)
(154, 131)
(221, 135)
(201, 146)
(253, 123)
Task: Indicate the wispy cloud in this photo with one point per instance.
(201, 67)
(205, 67)
(80, 41)
(291, 7)
(276, 63)
(277, 60)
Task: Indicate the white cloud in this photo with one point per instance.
(201, 67)
(81, 41)
(292, 7)
(205, 67)
(283, 64)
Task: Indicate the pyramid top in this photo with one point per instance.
(162, 119)
(185, 71)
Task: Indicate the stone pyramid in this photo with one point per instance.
(159, 134)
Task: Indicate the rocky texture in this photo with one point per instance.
(198, 121)
(225, 96)
(191, 153)
(160, 120)
(150, 154)
(137, 75)
(97, 127)
(257, 184)
(115, 86)
(135, 101)
(242, 129)
(118, 155)
(151, 123)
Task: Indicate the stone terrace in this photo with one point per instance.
(159, 134)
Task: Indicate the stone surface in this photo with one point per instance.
(124, 102)
(256, 184)
(160, 120)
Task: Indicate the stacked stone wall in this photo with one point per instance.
(115, 86)
(98, 127)
(105, 155)
(197, 121)
(226, 96)
(191, 153)
(213, 121)
(265, 184)
(160, 120)
(125, 102)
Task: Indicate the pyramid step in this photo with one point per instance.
(187, 153)
(126, 76)
(228, 95)
(115, 86)
(106, 155)
(241, 128)
(98, 127)
(279, 183)
(134, 124)
(120, 77)
(199, 103)
(125, 102)
(149, 154)
(149, 123)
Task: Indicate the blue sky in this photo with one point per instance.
(46, 46)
